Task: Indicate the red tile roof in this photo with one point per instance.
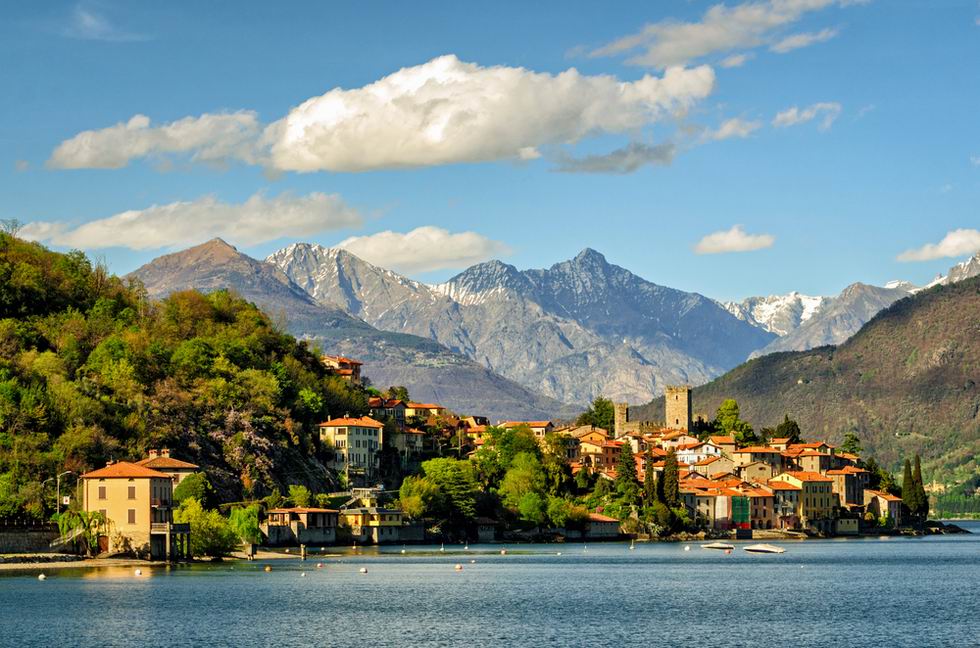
(530, 424)
(302, 509)
(165, 463)
(803, 475)
(342, 359)
(597, 517)
(125, 470)
(779, 485)
(759, 450)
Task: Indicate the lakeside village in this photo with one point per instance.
(415, 472)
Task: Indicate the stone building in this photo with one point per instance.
(678, 408)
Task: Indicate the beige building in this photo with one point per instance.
(539, 428)
(881, 504)
(353, 444)
(371, 525)
(757, 472)
(712, 466)
(817, 499)
(300, 526)
(347, 368)
(765, 454)
(136, 505)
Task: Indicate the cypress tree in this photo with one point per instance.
(649, 485)
(910, 496)
(923, 499)
(626, 480)
(671, 478)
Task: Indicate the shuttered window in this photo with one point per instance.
(132, 516)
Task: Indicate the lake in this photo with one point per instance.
(867, 592)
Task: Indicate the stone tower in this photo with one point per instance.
(677, 407)
(621, 414)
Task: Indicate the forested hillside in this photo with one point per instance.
(91, 369)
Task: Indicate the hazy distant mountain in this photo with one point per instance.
(432, 372)
(578, 329)
(959, 272)
(837, 319)
(779, 314)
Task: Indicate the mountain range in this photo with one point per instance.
(432, 372)
(578, 329)
(512, 343)
(906, 382)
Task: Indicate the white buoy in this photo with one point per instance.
(138, 572)
(559, 553)
(466, 548)
(687, 547)
(503, 552)
(287, 550)
(403, 551)
(319, 565)
(302, 575)
(363, 570)
(42, 577)
(268, 568)
(472, 562)
(443, 547)
(458, 567)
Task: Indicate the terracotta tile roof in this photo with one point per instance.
(802, 475)
(165, 463)
(364, 421)
(425, 406)
(886, 496)
(779, 440)
(342, 359)
(779, 485)
(597, 517)
(707, 460)
(302, 509)
(812, 453)
(689, 446)
(759, 450)
(124, 470)
(722, 440)
(530, 424)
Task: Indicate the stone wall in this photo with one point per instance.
(27, 538)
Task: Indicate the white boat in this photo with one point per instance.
(718, 545)
(764, 548)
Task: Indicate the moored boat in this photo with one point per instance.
(718, 545)
(764, 548)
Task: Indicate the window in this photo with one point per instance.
(101, 492)
(132, 492)
(132, 516)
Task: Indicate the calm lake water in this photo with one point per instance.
(895, 592)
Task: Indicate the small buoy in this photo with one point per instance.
(287, 550)
(403, 551)
(302, 575)
(728, 551)
(458, 567)
(319, 565)
(472, 562)
(687, 547)
(503, 552)
(268, 568)
(559, 553)
(443, 547)
(138, 572)
(363, 570)
(466, 548)
(41, 577)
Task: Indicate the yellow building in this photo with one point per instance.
(817, 500)
(425, 410)
(135, 502)
(371, 524)
(354, 443)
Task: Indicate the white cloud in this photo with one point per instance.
(211, 138)
(960, 242)
(442, 112)
(87, 24)
(734, 127)
(720, 29)
(733, 240)
(736, 60)
(448, 111)
(628, 159)
(257, 220)
(793, 116)
(975, 160)
(798, 41)
(424, 249)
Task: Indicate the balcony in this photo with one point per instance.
(157, 502)
(170, 527)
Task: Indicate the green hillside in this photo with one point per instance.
(91, 369)
(906, 383)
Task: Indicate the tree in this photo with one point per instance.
(419, 497)
(398, 392)
(671, 479)
(626, 480)
(196, 486)
(526, 475)
(457, 483)
(583, 480)
(10, 226)
(299, 495)
(851, 444)
(728, 422)
(910, 494)
(211, 535)
(245, 523)
(649, 481)
(533, 508)
(789, 429)
(921, 496)
(601, 414)
(554, 459)
(86, 524)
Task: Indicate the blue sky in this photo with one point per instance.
(880, 157)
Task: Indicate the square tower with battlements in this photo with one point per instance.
(677, 407)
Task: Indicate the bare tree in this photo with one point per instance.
(10, 226)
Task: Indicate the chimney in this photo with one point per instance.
(165, 452)
(153, 453)
(110, 462)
